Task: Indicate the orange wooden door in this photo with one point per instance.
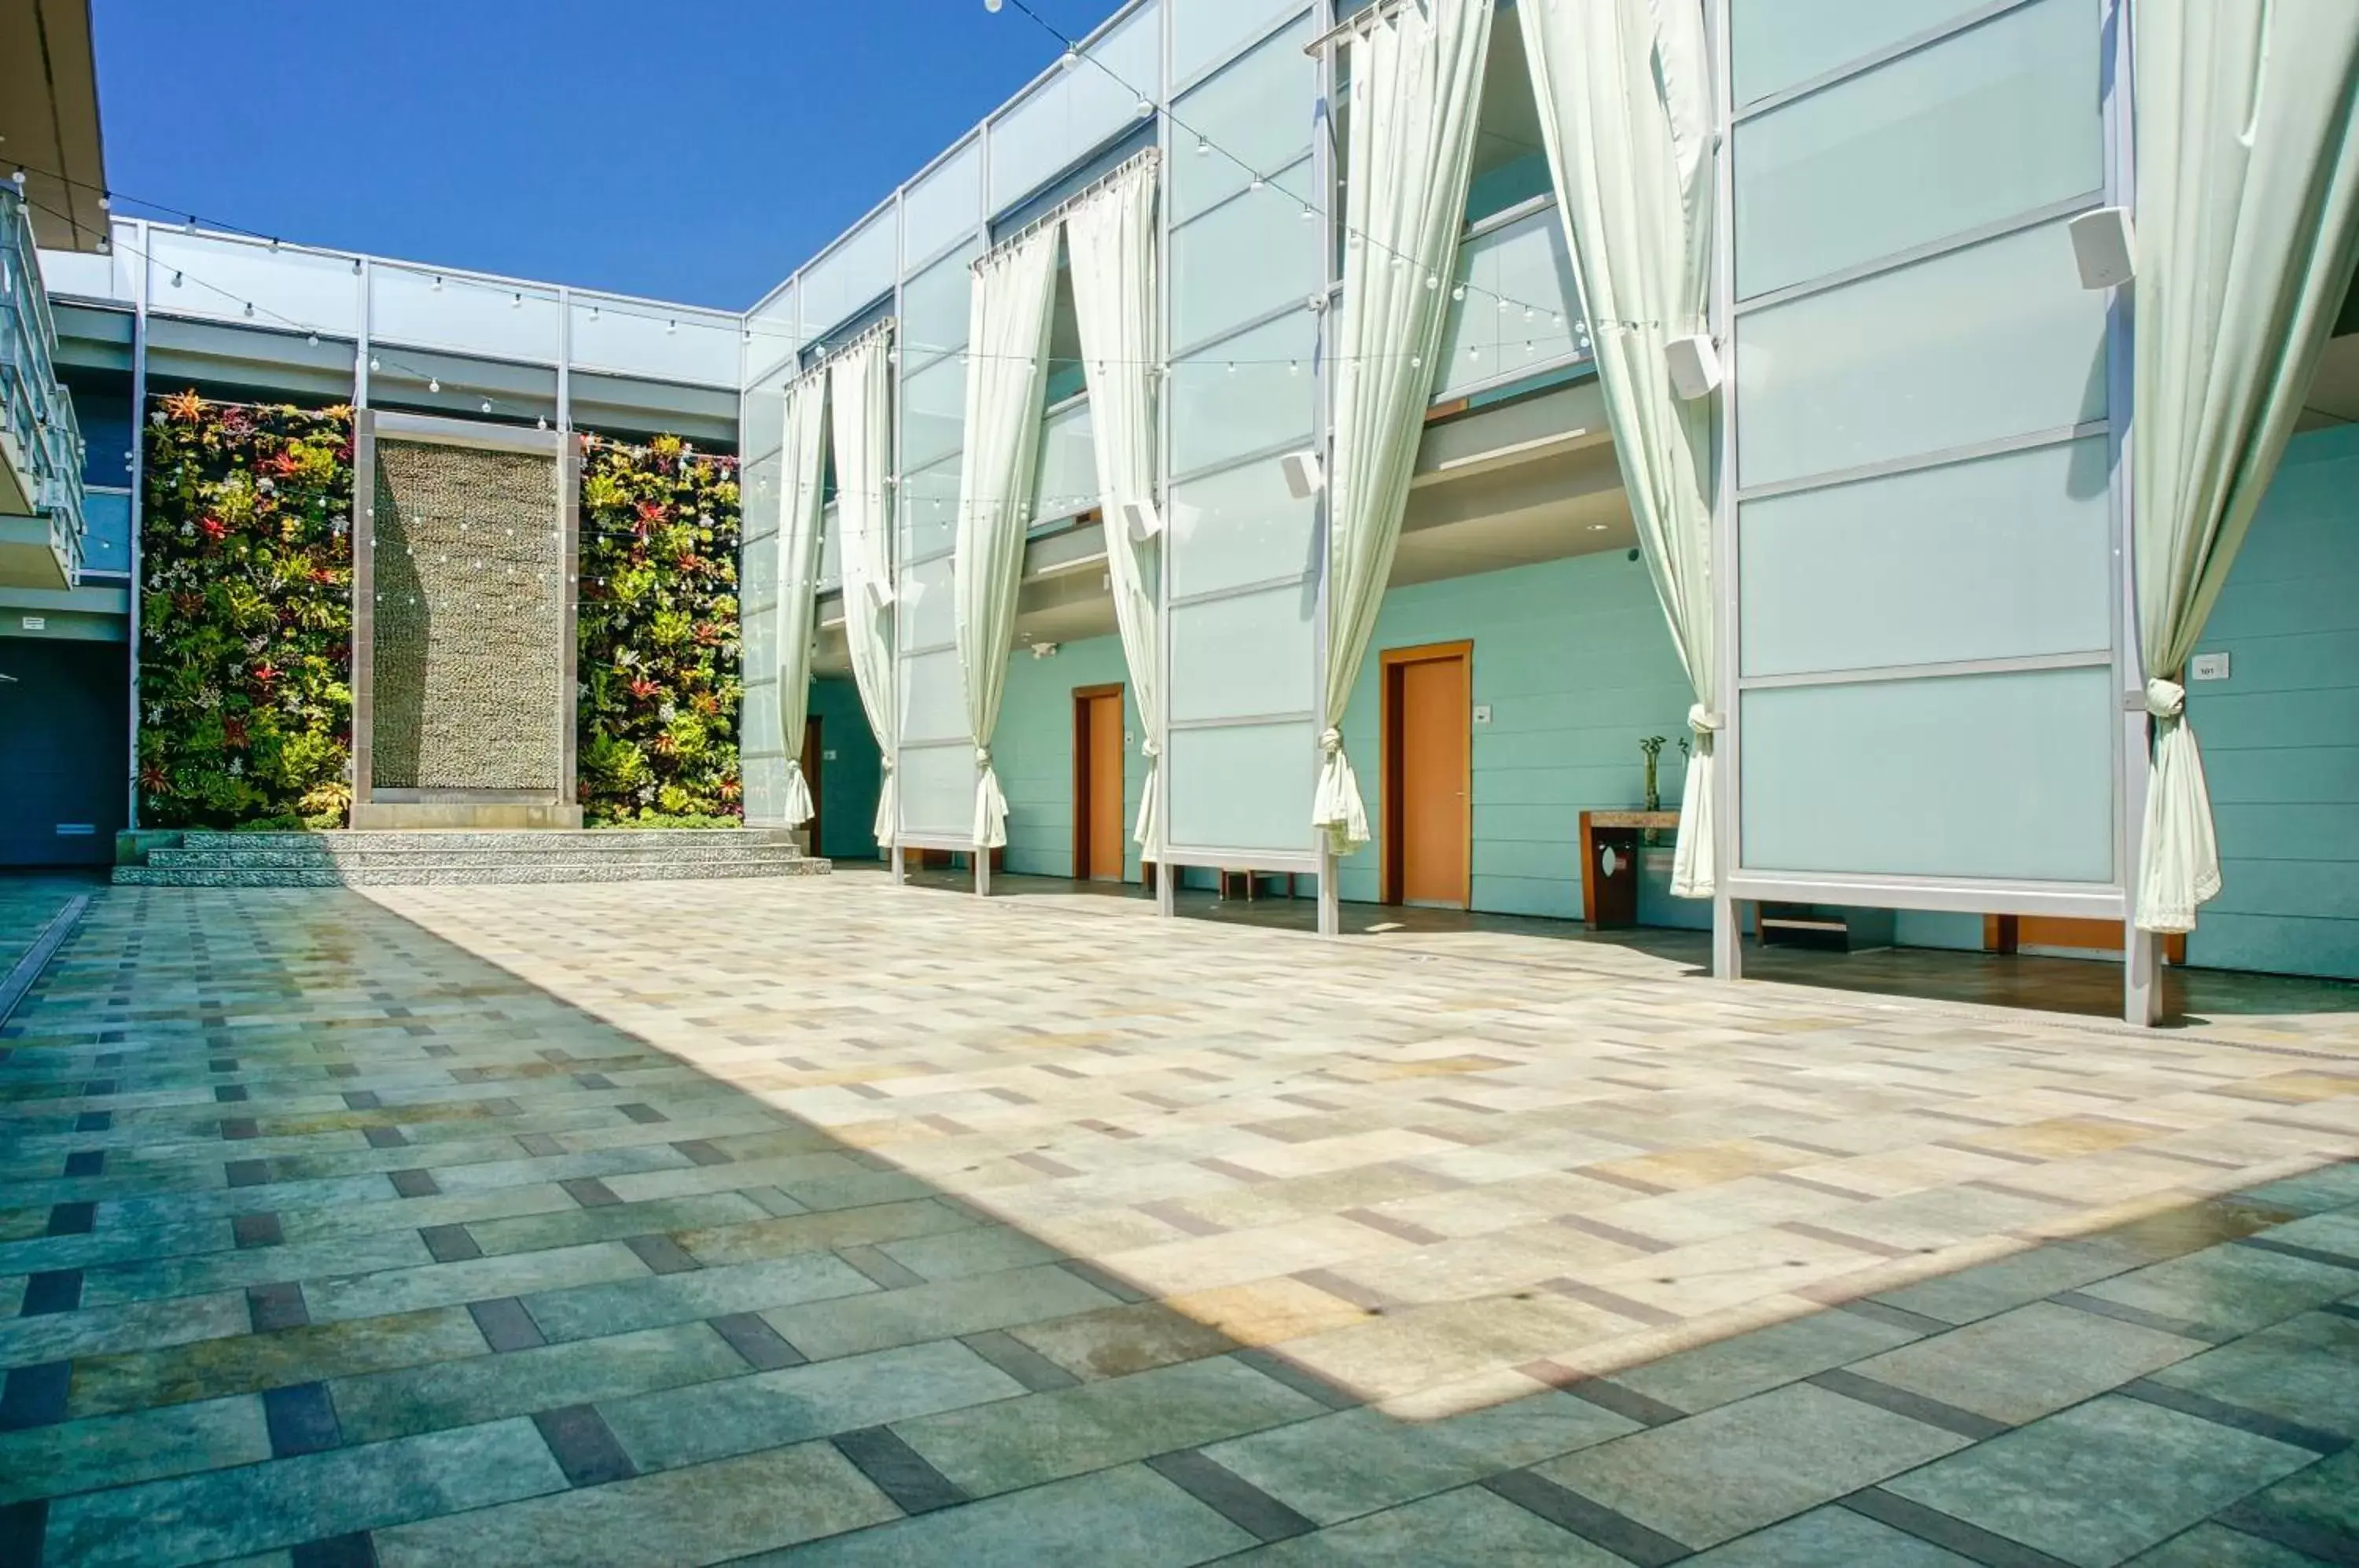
(814, 755)
(1105, 787)
(1434, 810)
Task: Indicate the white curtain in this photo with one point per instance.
(1416, 82)
(2248, 224)
(1007, 346)
(1624, 103)
(860, 387)
(800, 502)
(1111, 240)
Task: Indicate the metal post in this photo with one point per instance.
(1727, 930)
(361, 339)
(981, 872)
(565, 361)
(900, 871)
(139, 496)
(1331, 907)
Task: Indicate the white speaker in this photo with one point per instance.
(1304, 478)
(1694, 365)
(2104, 244)
(1142, 519)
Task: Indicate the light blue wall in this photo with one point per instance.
(1574, 659)
(1033, 751)
(2280, 735)
(850, 777)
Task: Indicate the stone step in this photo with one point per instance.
(381, 854)
(550, 840)
(424, 871)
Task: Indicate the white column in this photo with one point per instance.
(1331, 907)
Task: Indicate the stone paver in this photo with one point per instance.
(834, 1220)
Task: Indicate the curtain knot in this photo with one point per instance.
(1703, 719)
(1148, 749)
(1331, 741)
(983, 757)
(2165, 699)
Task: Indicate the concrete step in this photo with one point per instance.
(385, 854)
(428, 871)
(551, 841)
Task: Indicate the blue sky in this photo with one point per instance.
(687, 150)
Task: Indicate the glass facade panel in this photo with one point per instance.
(1239, 527)
(1205, 32)
(929, 510)
(1999, 120)
(928, 606)
(2007, 777)
(301, 291)
(2002, 558)
(1780, 44)
(1254, 116)
(863, 265)
(934, 704)
(1245, 658)
(774, 335)
(933, 408)
(636, 338)
(1077, 108)
(1248, 394)
(944, 204)
(1521, 310)
(830, 547)
(1066, 483)
(1243, 787)
(935, 305)
(1993, 340)
(937, 790)
(438, 310)
(1240, 261)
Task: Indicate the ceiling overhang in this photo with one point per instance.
(49, 120)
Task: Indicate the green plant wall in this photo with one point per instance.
(658, 651)
(245, 615)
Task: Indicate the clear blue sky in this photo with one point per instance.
(696, 150)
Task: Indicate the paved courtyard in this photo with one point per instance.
(827, 1222)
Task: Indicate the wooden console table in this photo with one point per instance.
(1609, 895)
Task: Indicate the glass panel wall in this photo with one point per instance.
(1078, 107)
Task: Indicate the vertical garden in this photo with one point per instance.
(246, 624)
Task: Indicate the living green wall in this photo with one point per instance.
(1577, 666)
(1033, 751)
(2280, 735)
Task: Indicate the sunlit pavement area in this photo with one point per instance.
(834, 1221)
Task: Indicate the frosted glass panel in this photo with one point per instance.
(437, 310)
(1243, 787)
(1996, 340)
(759, 736)
(929, 510)
(635, 338)
(1782, 43)
(1066, 483)
(944, 205)
(1249, 393)
(757, 482)
(926, 615)
(1239, 527)
(1202, 31)
(932, 700)
(863, 265)
(1246, 656)
(934, 410)
(319, 293)
(1241, 261)
(1996, 121)
(776, 334)
(1260, 109)
(1521, 308)
(937, 788)
(1987, 775)
(1074, 110)
(934, 306)
(2000, 557)
(830, 547)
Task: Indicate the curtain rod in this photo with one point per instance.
(1144, 157)
(880, 327)
(1352, 24)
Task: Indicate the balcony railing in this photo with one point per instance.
(40, 441)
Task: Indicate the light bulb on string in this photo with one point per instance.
(433, 385)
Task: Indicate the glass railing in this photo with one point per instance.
(1067, 485)
(37, 419)
(1516, 310)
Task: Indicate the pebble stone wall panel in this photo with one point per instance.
(469, 633)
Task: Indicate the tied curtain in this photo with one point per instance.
(1007, 346)
(861, 385)
(1624, 103)
(1417, 84)
(799, 504)
(2247, 227)
(1110, 236)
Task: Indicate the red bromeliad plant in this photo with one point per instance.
(245, 615)
(659, 653)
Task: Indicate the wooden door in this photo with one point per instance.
(2012, 934)
(1098, 752)
(1428, 779)
(814, 754)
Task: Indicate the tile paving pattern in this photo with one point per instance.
(827, 1222)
